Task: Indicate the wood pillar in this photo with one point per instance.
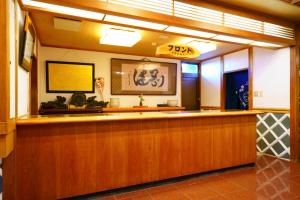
(6, 125)
(250, 78)
(223, 84)
(294, 99)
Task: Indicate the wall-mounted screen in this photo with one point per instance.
(69, 77)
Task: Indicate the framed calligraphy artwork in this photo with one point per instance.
(28, 46)
(133, 77)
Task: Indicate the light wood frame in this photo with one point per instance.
(223, 78)
(171, 20)
(116, 84)
(7, 125)
(294, 104)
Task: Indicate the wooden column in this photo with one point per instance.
(294, 100)
(6, 125)
(250, 78)
(199, 78)
(223, 84)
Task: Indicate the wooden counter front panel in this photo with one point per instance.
(65, 160)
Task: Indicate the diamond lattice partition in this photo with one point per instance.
(273, 134)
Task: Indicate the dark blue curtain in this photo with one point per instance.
(237, 90)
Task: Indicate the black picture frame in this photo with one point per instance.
(69, 91)
(28, 34)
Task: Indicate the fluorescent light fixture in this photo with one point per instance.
(232, 39)
(265, 44)
(203, 47)
(185, 31)
(119, 37)
(134, 22)
(64, 10)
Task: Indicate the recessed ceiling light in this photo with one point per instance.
(185, 31)
(232, 39)
(203, 47)
(65, 10)
(265, 44)
(134, 22)
(119, 37)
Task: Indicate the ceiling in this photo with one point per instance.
(286, 9)
(87, 38)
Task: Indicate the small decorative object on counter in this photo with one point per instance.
(114, 102)
(100, 87)
(78, 99)
(141, 99)
(78, 105)
(59, 103)
(172, 103)
(92, 103)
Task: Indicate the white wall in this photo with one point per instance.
(102, 68)
(236, 61)
(210, 82)
(271, 78)
(23, 77)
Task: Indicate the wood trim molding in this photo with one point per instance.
(224, 54)
(7, 125)
(222, 84)
(160, 18)
(4, 61)
(104, 51)
(210, 108)
(250, 78)
(294, 103)
(272, 110)
(6, 144)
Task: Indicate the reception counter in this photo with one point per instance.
(69, 155)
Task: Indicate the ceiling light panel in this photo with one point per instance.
(265, 44)
(233, 39)
(65, 10)
(120, 37)
(203, 47)
(197, 13)
(134, 22)
(158, 6)
(191, 32)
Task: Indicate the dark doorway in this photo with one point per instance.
(190, 86)
(237, 90)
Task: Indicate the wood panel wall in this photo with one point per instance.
(65, 160)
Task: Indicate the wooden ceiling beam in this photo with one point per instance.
(295, 1)
(98, 6)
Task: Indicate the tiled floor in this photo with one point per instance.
(271, 178)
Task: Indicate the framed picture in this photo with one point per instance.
(133, 77)
(70, 77)
(28, 45)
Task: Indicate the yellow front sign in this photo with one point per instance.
(178, 51)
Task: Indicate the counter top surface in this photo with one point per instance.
(75, 118)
